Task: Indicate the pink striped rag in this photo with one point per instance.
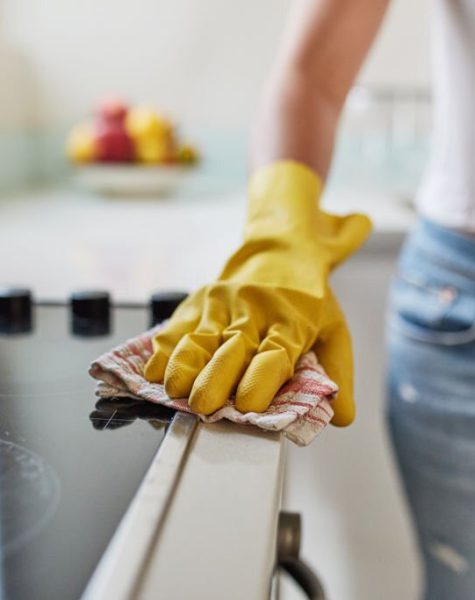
(301, 408)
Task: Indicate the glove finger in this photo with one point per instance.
(195, 349)
(184, 320)
(355, 231)
(268, 371)
(190, 356)
(217, 381)
(344, 235)
(336, 356)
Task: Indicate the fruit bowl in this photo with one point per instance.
(130, 180)
(129, 151)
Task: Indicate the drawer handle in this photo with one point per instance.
(288, 550)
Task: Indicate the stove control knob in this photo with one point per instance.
(163, 304)
(90, 313)
(15, 310)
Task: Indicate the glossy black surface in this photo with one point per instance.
(69, 465)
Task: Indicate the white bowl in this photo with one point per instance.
(130, 180)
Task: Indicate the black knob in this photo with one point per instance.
(15, 310)
(90, 313)
(163, 305)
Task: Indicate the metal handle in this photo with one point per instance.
(288, 549)
(305, 577)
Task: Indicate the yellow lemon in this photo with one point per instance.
(80, 145)
(152, 150)
(142, 121)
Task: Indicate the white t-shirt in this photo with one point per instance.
(447, 193)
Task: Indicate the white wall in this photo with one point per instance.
(203, 59)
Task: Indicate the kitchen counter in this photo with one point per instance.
(56, 240)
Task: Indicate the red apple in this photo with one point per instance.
(112, 108)
(112, 142)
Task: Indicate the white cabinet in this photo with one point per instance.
(356, 533)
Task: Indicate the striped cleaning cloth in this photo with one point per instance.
(301, 408)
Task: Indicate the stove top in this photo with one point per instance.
(69, 464)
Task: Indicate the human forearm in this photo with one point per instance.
(324, 46)
(295, 121)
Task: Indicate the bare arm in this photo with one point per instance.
(325, 44)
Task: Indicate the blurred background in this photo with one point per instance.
(204, 63)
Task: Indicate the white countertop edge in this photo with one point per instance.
(218, 540)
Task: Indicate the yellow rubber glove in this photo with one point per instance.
(244, 333)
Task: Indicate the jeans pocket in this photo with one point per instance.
(431, 311)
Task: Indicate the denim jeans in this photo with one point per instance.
(431, 402)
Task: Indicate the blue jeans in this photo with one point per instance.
(431, 402)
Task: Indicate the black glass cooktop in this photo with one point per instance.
(69, 465)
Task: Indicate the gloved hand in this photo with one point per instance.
(244, 333)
